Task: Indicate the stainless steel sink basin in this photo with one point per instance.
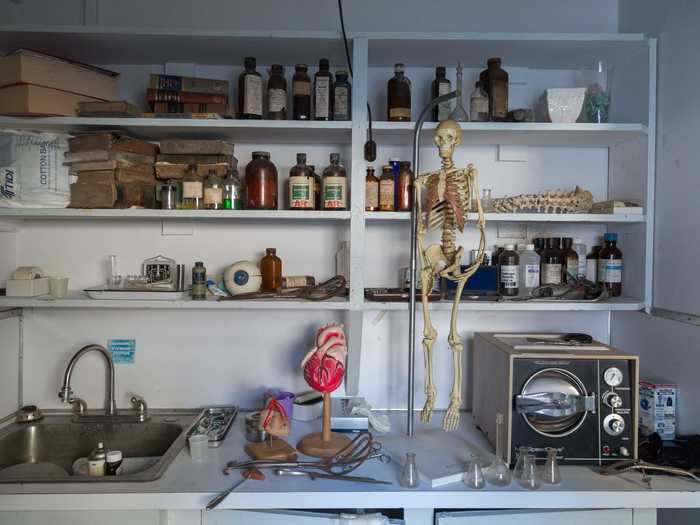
(44, 451)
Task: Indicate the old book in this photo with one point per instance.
(111, 141)
(184, 97)
(196, 147)
(195, 116)
(72, 157)
(24, 100)
(89, 195)
(224, 109)
(120, 176)
(31, 67)
(101, 165)
(195, 159)
(166, 170)
(135, 196)
(108, 109)
(191, 84)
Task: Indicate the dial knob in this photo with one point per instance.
(613, 424)
(612, 399)
(624, 452)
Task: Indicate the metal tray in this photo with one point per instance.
(215, 422)
(138, 295)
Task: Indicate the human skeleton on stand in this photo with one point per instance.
(449, 192)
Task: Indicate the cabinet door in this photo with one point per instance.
(274, 517)
(537, 517)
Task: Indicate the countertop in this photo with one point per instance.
(190, 485)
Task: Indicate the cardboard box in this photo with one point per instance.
(657, 409)
(27, 287)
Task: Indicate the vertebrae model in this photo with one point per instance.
(448, 194)
(577, 201)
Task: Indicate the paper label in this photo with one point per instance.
(372, 194)
(322, 98)
(551, 273)
(192, 189)
(613, 271)
(444, 109)
(499, 94)
(252, 95)
(386, 193)
(278, 99)
(532, 275)
(340, 106)
(509, 276)
(213, 195)
(301, 88)
(123, 351)
(301, 192)
(335, 192)
(399, 113)
(479, 108)
(592, 269)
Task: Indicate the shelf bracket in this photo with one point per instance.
(8, 313)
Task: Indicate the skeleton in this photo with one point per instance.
(577, 201)
(448, 194)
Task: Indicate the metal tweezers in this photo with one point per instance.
(622, 467)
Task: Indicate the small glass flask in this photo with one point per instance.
(459, 114)
(474, 476)
(498, 473)
(486, 200)
(409, 473)
(551, 472)
(530, 478)
(518, 470)
(233, 191)
(213, 192)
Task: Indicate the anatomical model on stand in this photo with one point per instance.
(449, 192)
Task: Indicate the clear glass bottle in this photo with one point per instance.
(261, 182)
(371, 190)
(301, 185)
(342, 96)
(213, 192)
(386, 189)
(610, 265)
(529, 270)
(508, 272)
(399, 96)
(530, 478)
(459, 114)
(474, 476)
(498, 473)
(250, 91)
(323, 91)
(440, 86)
(551, 473)
(301, 93)
(199, 282)
(479, 104)
(335, 185)
(271, 271)
(277, 93)
(233, 190)
(192, 190)
(569, 259)
(409, 473)
(494, 81)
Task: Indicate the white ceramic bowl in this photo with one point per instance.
(564, 105)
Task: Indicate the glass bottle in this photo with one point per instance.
(399, 96)
(342, 96)
(409, 473)
(199, 282)
(459, 114)
(486, 200)
(592, 264)
(233, 190)
(250, 87)
(494, 80)
(371, 190)
(610, 265)
(261, 182)
(596, 103)
(301, 185)
(479, 104)
(277, 93)
(213, 192)
(551, 263)
(474, 476)
(539, 245)
(498, 473)
(530, 478)
(386, 189)
(404, 187)
(192, 190)
(271, 271)
(440, 86)
(323, 91)
(529, 270)
(581, 252)
(335, 185)
(508, 272)
(569, 259)
(551, 473)
(318, 186)
(301, 93)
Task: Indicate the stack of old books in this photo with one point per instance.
(176, 156)
(112, 170)
(175, 96)
(35, 84)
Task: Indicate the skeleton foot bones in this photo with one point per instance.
(448, 194)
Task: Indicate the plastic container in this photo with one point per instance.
(113, 463)
(529, 270)
(199, 445)
(581, 251)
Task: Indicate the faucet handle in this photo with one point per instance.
(140, 406)
(65, 394)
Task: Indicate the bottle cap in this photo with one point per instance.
(387, 167)
(394, 159)
(530, 247)
(113, 456)
(341, 73)
(510, 247)
(610, 237)
(271, 251)
(335, 158)
(405, 164)
(493, 60)
(249, 62)
(277, 69)
(301, 67)
(324, 64)
(301, 158)
(398, 68)
(440, 71)
(566, 242)
(261, 154)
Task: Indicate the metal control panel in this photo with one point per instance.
(616, 409)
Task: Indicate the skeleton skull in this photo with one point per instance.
(447, 137)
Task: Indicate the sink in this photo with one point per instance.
(44, 451)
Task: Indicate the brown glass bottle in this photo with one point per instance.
(301, 185)
(440, 86)
(261, 182)
(539, 245)
(404, 187)
(250, 88)
(301, 93)
(508, 272)
(323, 91)
(342, 96)
(318, 187)
(569, 259)
(271, 271)
(592, 264)
(494, 80)
(277, 93)
(371, 190)
(335, 185)
(399, 96)
(610, 259)
(387, 189)
(551, 263)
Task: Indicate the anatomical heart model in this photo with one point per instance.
(324, 368)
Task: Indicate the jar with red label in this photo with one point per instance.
(261, 182)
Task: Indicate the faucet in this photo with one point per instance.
(79, 405)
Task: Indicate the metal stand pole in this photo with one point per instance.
(414, 230)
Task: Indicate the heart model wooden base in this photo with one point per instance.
(314, 445)
(277, 449)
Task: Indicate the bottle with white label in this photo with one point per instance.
(250, 91)
(323, 91)
(213, 192)
(440, 86)
(301, 185)
(277, 93)
(551, 263)
(611, 259)
(342, 96)
(192, 190)
(508, 272)
(335, 185)
(529, 270)
(581, 251)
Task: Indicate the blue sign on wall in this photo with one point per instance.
(123, 350)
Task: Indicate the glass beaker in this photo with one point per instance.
(530, 478)
(474, 476)
(596, 104)
(498, 473)
(551, 473)
(409, 473)
(459, 114)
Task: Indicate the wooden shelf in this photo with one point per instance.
(609, 305)
(523, 217)
(189, 215)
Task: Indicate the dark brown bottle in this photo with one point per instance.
(277, 93)
(250, 97)
(323, 91)
(539, 245)
(569, 259)
(301, 185)
(399, 96)
(592, 264)
(387, 187)
(404, 187)
(301, 93)
(610, 265)
(494, 81)
(335, 185)
(371, 190)
(551, 263)
(271, 271)
(318, 186)
(508, 272)
(440, 86)
(342, 96)
(261, 182)
(497, 251)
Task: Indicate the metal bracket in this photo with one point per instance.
(8, 313)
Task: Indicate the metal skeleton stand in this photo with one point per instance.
(414, 231)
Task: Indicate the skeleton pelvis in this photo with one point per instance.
(436, 258)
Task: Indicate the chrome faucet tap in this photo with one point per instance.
(66, 393)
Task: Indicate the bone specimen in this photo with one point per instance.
(577, 201)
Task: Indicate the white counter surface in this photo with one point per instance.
(188, 485)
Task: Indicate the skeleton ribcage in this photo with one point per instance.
(449, 214)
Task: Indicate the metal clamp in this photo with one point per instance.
(554, 404)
